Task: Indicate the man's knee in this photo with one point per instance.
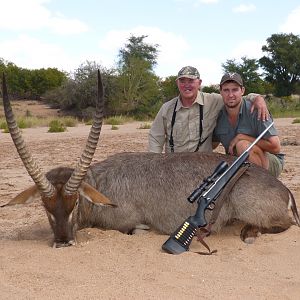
(241, 146)
(256, 156)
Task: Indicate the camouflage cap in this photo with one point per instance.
(188, 72)
(232, 77)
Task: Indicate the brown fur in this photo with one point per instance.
(145, 188)
(152, 189)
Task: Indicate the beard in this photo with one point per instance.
(232, 104)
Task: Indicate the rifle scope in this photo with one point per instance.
(220, 169)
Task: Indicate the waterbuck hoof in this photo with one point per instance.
(63, 244)
(249, 233)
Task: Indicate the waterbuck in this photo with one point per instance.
(129, 189)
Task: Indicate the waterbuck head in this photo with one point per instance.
(60, 188)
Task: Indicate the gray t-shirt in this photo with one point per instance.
(247, 124)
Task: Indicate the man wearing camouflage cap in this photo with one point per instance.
(237, 128)
(186, 123)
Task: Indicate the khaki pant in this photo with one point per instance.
(275, 165)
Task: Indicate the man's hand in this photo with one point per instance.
(259, 103)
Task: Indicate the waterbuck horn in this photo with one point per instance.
(86, 158)
(44, 185)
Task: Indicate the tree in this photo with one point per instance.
(43, 80)
(30, 84)
(78, 93)
(169, 88)
(248, 69)
(282, 62)
(138, 85)
(136, 47)
(213, 88)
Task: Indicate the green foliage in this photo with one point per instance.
(284, 106)
(78, 94)
(30, 84)
(24, 122)
(133, 89)
(296, 121)
(169, 88)
(88, 122)
(114, 121)
(114, 127)
(248, 69)
(30, 122)
(69, 121)
(56, 126)
(137, 48)
(213, 88)
(117, 120)
(3, 125)
(136, 84)
(140, 117)
(144, 126)
(282, 62)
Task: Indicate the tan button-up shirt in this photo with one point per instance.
(186, 130)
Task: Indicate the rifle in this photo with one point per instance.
(206, 195)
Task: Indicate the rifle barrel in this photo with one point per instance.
(239, 160)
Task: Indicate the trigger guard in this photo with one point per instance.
(211, 206)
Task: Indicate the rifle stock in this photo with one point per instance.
(206, 195)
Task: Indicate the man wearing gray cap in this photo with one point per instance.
(186, 123)
(236, 127)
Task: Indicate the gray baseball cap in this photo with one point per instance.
(188, 72)
(232, 77)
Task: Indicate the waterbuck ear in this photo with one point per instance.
(24, 196)
(93, 195)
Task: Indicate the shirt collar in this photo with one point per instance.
(199, 100)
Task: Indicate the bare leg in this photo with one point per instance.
(256, 156)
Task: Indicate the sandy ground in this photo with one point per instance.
(111, 265)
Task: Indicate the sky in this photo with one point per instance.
(64, 34)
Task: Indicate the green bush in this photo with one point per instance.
(117, 120)
(56, 126)
(145, 126)
(88, 122)
(69, 121)
(296, 121)
(24, 123)
(284, 107)
(3, 124)
(114, 127)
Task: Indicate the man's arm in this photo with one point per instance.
(156, 138)
(259, 103)
(271, 144)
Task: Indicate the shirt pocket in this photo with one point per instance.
(207, 127)
(180, 133)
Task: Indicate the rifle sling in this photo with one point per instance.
(206, 231)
